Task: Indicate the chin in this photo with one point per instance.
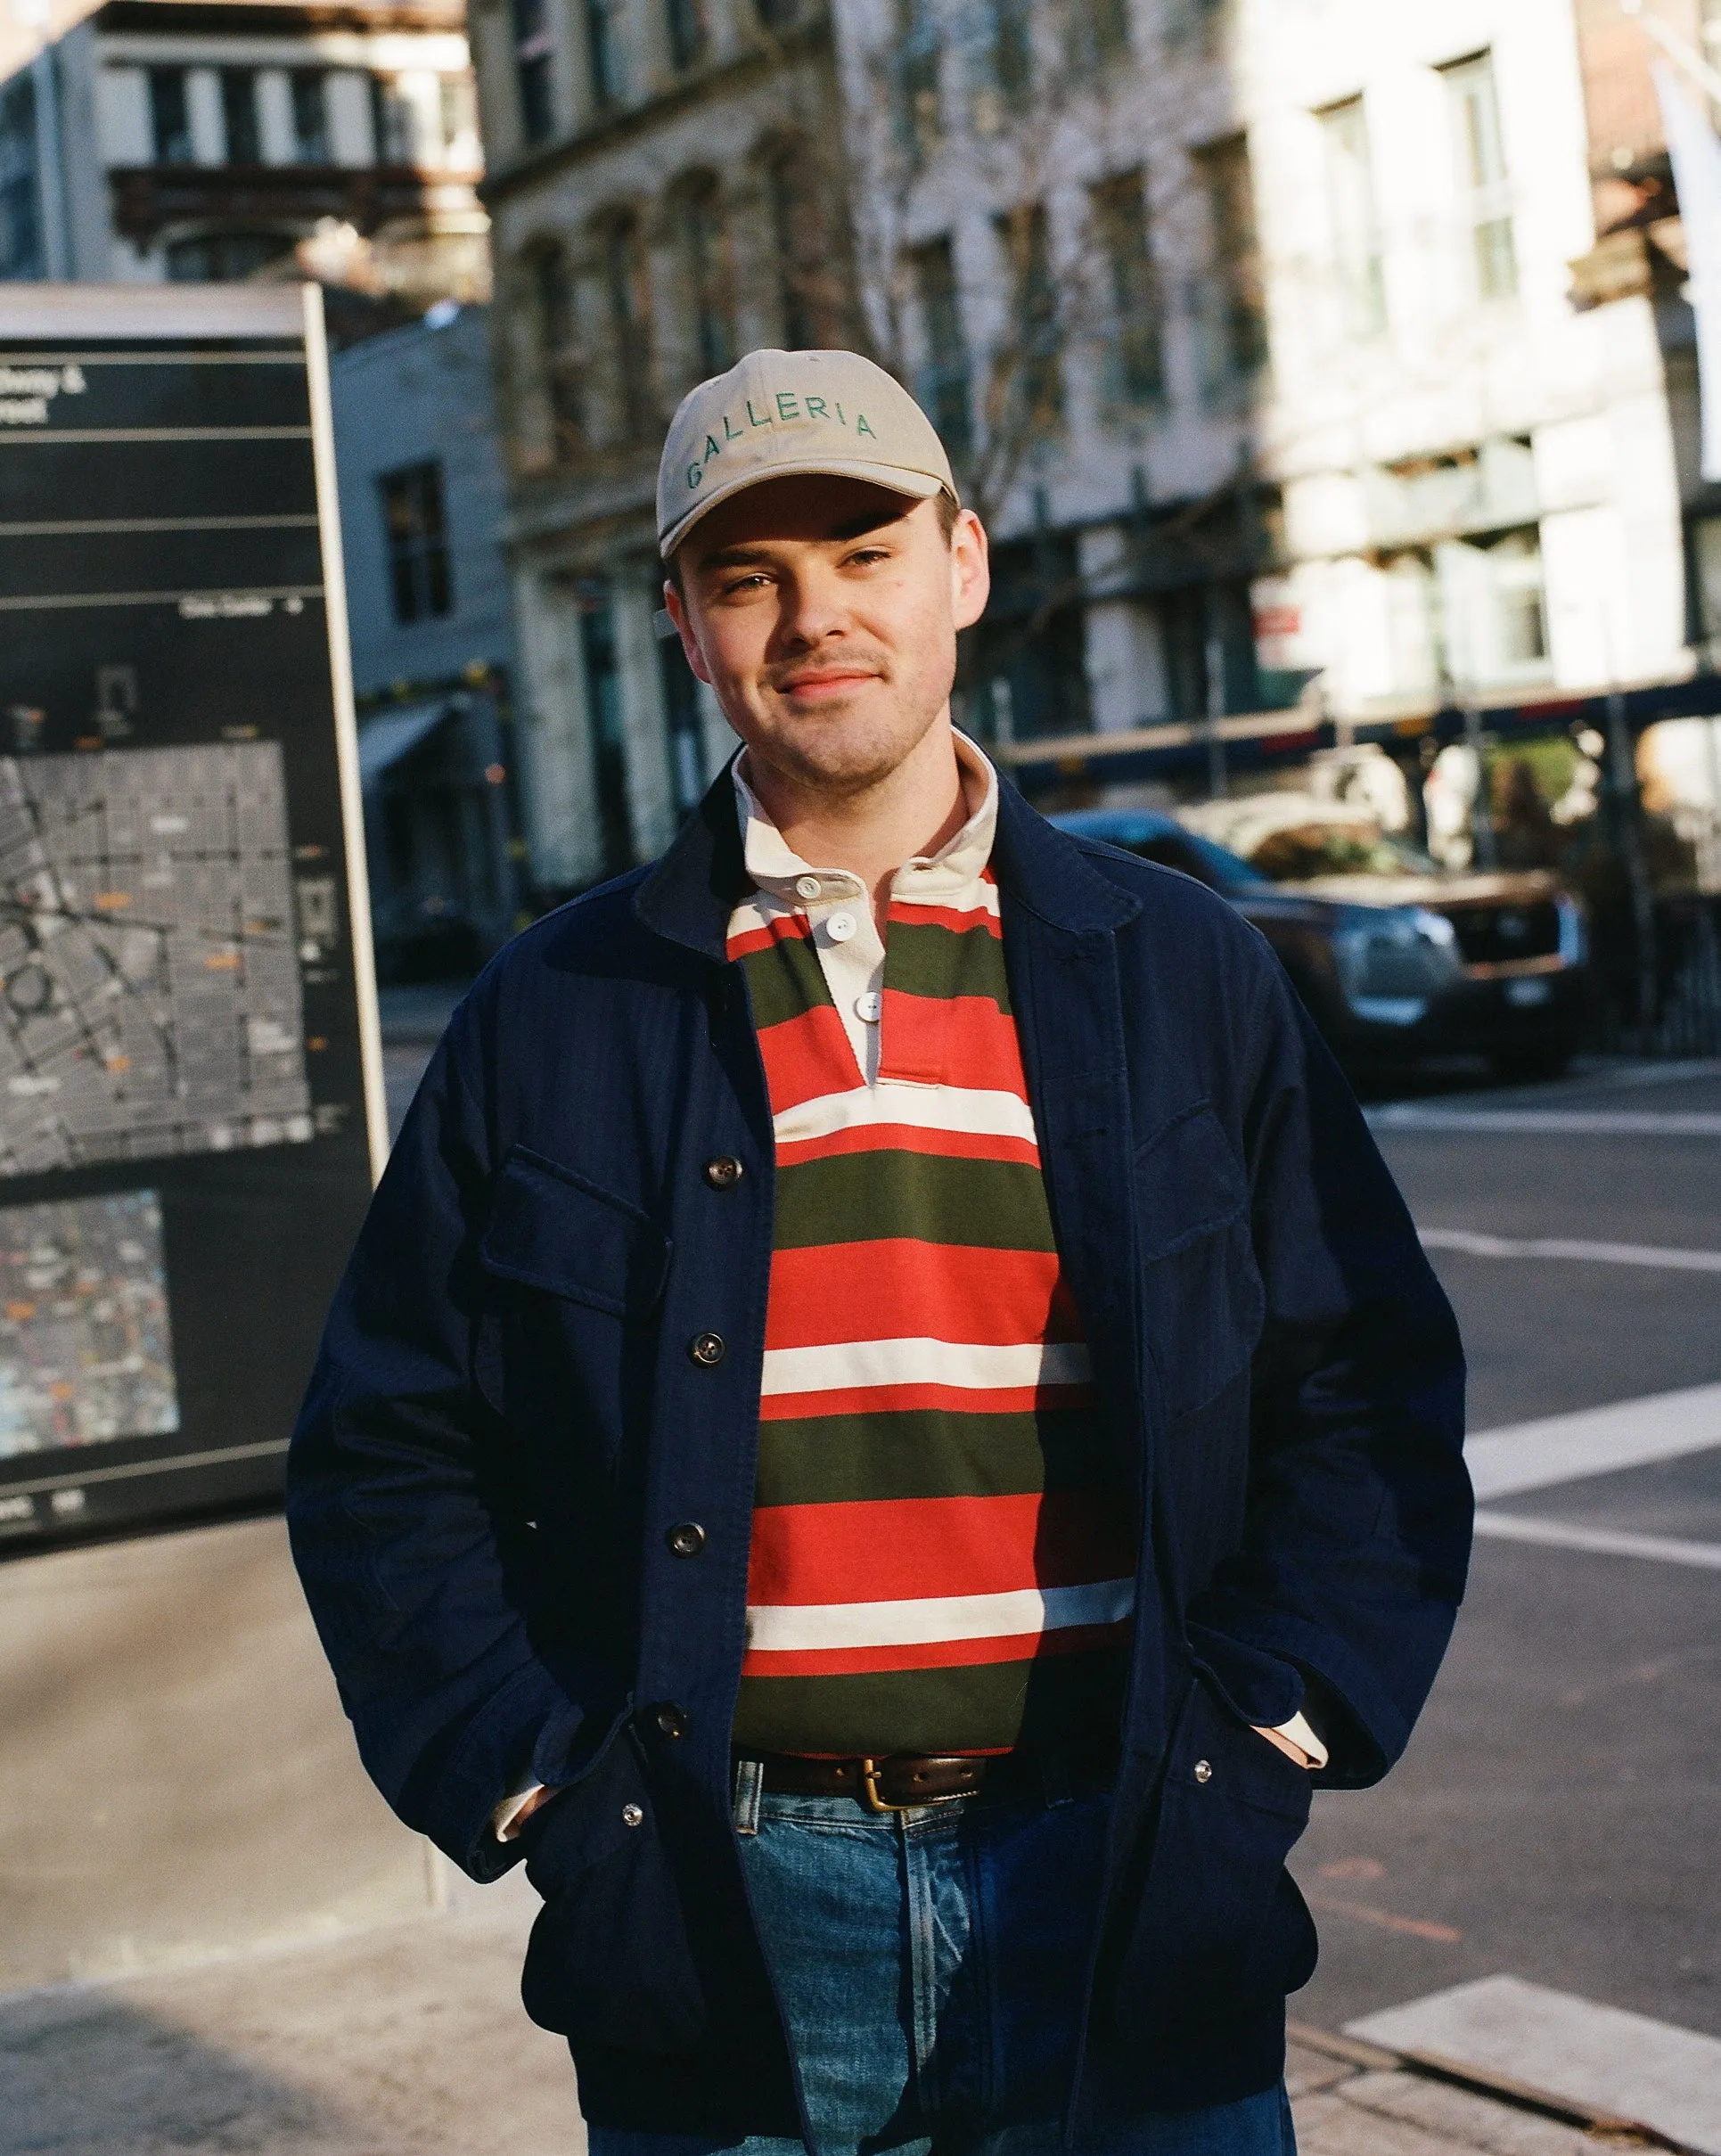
(846, 750)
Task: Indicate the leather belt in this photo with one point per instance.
(900, 1781)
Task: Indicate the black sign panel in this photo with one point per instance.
(191, 1107)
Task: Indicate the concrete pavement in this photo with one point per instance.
(410, 2041)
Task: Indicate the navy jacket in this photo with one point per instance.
(506, 1421)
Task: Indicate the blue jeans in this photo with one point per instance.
(931, 1965)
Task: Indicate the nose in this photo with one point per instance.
(812, 608)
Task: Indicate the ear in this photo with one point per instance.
(677, 612)
(970, 571)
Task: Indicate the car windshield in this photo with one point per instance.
(1303, 851)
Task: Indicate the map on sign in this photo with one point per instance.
(85, 1353)
(150, 994)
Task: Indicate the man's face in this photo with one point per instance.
(823, 613)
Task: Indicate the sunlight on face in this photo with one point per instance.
(823, 613)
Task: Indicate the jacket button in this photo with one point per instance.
(724, 1172)
(1203, 1771)
(671, 1721)
(686, 1538)
(632, 1815)
(708, 1350)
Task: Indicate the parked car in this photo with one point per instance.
(1396, 960)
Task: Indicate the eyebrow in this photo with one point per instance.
(744, 556)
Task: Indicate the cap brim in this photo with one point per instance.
(894, 478)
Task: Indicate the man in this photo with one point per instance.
(888, 1419)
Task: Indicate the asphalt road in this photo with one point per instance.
(1558, 1815)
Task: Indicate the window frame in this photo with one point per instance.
(420, 564)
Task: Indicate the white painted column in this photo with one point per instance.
(351, 141)
(203, 109)
(555, 739)
(275, 118)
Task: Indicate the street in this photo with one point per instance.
(1557, 1813)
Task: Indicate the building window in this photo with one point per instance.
(1004, 61)
(944, 386)
(680, 713)
(777, 14)
(1096, 35)
(1482, 176)
(1492, 608)
(392, 124)
(170, 122)
(1134, 354)
(603, 49)
(20, 221)
(239, 116)
(552, 296)
(1231, 309)
(803, 273)
(310, 116)
(689, 32)
(458, 118)
(225, 258)
(1350, 208)
(416, 534)
(1032, 385)
(1192, 22)
(709, 284)
(630, 323)
(534, 69)
(916, 65)
(605, 725)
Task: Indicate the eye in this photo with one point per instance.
(864, 557)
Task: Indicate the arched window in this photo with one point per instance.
(557, 338)
(628, 292)
(708, 279)
(808, 291)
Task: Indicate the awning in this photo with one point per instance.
(389, 735)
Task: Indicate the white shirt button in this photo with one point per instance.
(839, 927)
(869, 1005)
(807, 887)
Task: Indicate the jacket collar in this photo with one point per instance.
(693, 890)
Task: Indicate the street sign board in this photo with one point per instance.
(190, 1099)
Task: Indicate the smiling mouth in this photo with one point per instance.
(826, 683)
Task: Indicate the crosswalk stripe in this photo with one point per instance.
(1472, 1243)
(1556, 1122)
(1605, 1542)
(1593, 1441)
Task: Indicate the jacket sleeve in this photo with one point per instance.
(1358, 1523)
(407, 1525)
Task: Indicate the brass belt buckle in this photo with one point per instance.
(870, 1797)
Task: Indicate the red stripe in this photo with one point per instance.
(957, 919)
(911, 1549)
(808, 1056)
(900, 1399)
(934, 1654)
(951, 1040)
(909, 1137)
(901, 1288)
(784, 928)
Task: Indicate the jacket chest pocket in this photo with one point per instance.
(574, 1276)
(1204, 1301)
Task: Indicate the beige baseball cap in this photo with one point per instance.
(775, 413)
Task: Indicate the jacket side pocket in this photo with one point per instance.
(608, 1963)
(1219, 1927)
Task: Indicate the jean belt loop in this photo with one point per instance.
(750, 1786)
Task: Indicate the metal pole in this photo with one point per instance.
(1622, 775)
(1218, 782)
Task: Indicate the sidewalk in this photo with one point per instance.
(410, 2041)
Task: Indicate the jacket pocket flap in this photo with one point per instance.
(550, 1228)
(1189, 1183)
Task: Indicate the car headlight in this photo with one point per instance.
(1392, 962)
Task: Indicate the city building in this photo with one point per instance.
(218, 139)
(1316, 359)
(423, 500)
(663, 197)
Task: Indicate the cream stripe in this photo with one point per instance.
(801, 1627)
(846, 1365)
(971, 1110)
(977, 897)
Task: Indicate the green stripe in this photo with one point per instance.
(783, 980)
(986, 1707)
(941, 962)
(994, 1205)
(933, 1452)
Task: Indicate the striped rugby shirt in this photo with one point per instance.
(941, 1559)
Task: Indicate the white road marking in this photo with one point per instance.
(1593, 1441)
(1599, 2058)
(1473, 1245)
(1606, 1542)
(1558, 1122)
